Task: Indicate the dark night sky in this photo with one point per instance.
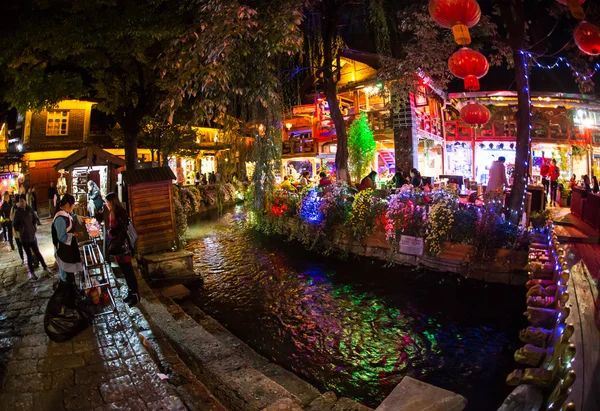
(359, 37)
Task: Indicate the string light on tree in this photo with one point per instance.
(565, 62)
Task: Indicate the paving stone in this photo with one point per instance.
(63, 378)
(83, 346)
(117, 389)
(170, 403)
(59, 349)
(16, 402)
(22, 367)
(7, 315)
(49, 400)
(62, 362)
(197, 398)
(19, 305)
(98, 373)
(8, 342)
(28, 382)
(129, 404)
(150, 388)
(35, 340)
(101, 355)
(81, 397)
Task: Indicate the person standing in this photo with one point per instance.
(94, 199)
(544, 173)
(7, 220)
(52, 193)
(25, 223)
(32, 199)
(554, 174)
(16, 235)
(119, 223)
(497, 179)
(64, 238)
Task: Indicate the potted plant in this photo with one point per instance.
(565, 196)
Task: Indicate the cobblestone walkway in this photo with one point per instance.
(104, 368)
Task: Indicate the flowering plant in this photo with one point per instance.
(439, 222)
(310, 206)
(336, 205)
(365, 211)
(284, 202)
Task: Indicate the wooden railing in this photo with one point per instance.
(457, 130)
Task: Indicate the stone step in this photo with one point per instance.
(290, 381)
(228, 375)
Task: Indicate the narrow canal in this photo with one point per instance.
(356, 327)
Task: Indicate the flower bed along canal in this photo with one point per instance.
(356, 327)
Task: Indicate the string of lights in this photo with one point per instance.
(564, 62)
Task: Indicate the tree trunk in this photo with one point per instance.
(328, 33)
(521, 171)
(131, 128)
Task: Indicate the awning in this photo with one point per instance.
(89, 157)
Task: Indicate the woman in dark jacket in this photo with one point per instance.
(94, 199)
(119, 222)
(415, 178)
(5, 210)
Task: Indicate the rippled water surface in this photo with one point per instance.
(355, 326)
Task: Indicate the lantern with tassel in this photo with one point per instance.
(469, 65)
(475, 114)
(458, 15)
(587, 38)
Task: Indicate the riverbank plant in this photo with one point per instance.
(328, 218)
(367, 209)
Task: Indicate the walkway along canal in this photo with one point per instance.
(356, 327)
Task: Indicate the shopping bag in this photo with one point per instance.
(67, 313)
(132, 235)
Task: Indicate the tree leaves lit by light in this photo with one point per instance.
(361, 147)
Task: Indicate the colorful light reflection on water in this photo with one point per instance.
(356, 327)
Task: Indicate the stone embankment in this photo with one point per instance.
(236, 375)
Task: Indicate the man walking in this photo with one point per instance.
(52, 199)
(554, 175)
(497, 176)
(26, 223)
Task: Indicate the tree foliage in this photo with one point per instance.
(100, 50)
(361, 147)
(227, 62)
(163, 139)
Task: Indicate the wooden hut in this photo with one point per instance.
(150, 200)
(89, 163)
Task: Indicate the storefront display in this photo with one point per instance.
(459, 159)
(488, 152)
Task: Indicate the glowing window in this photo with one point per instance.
(57, 123)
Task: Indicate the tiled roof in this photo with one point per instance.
(146, 175)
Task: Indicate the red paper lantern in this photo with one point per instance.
(475, 114)
(457, 15)
(469, 65)
(574, 7)
(587, 38)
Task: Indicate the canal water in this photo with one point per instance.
(356, 327)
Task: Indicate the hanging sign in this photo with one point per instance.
(411, 245)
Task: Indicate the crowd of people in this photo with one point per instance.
(324, 179)
(20, 221)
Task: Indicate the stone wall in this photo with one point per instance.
(507, 267)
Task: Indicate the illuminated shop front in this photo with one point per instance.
(565, 128)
